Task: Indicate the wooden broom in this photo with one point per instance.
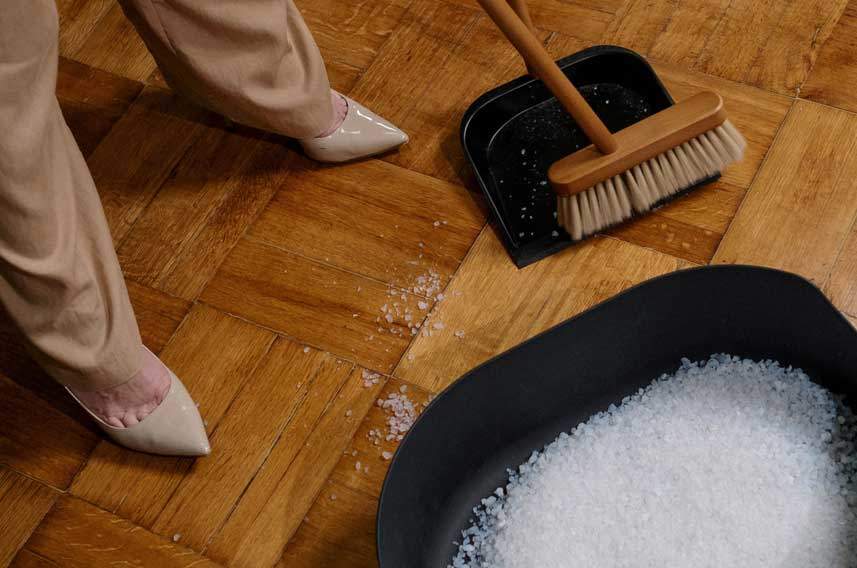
(634, 170)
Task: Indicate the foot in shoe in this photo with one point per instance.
(130, 402)
(340, 109)
(360, 133)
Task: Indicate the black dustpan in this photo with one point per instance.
(512, 134)
(496, 415)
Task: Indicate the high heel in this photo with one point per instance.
(362, 134)
(174, 428)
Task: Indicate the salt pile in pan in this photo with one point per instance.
(728, 462)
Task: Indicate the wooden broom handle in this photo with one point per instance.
(523, 12)
(538, 59)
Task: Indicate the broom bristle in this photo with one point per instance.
(650, 183)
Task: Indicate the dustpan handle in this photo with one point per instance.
(538, 59)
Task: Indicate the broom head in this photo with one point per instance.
(656, 159)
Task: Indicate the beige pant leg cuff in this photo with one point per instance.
(114, 370)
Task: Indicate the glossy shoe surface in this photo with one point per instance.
(174, 428)
(362, 134)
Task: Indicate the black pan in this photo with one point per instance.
(512, 134)
(496, 415)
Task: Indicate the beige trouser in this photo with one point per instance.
(252, 60)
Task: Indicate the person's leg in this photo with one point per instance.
(253, 61)
(59, 277)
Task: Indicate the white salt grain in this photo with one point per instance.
(306, 349)
(177, 537)
(728, 462)
(386, 455)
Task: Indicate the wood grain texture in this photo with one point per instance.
(28, 559)
(38, 439)
(190, 226)
(137, 156)
(404, 224)
(316, 304)
(474, 62)
(835, 71)
(23, 503)
(76, 534)
(258, 418)
(78, 19)
(400, 83)
(337, 532)
(277, 500)
(92, 101)
(158, 314)
(113, 45)
(352, 32)
(770, 44)
(841, 287)
(799, 210)
(497, 306)
(214, 355)
(586, 19)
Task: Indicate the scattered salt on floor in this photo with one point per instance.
(333, 496)
(177, 537)
(306, 349)
(459, 334)
(401, 414)
(348, 413)
(728, 462)
(386, 455)
(370, 379)
(357, 465)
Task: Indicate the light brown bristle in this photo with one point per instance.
(650, 183)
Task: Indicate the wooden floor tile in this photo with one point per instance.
(338, 532)
(92, 101)
(494, 306)
(669, 236)
(756, 113)
(288, 380)
(23, 503)
(410, 75)
(113, 45)
(374, 219)
(373, 467)
(339, 529)
(158, 314)
(76, 534)
(586, 19)
(351, 32)
(137, 156)
(38, 439)
(801, 207)
(78, 19)
(317, 304)
(841, 288)
(202, 210)
(277, 500)
(770, 44)
(835, 71)
(28, 559)
(214, 355)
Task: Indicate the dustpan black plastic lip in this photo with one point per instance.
(788, 278)
(504, 91)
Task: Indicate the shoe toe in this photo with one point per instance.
(361, 135)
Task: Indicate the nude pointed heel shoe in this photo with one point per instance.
(174, 428)
(362, 134)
